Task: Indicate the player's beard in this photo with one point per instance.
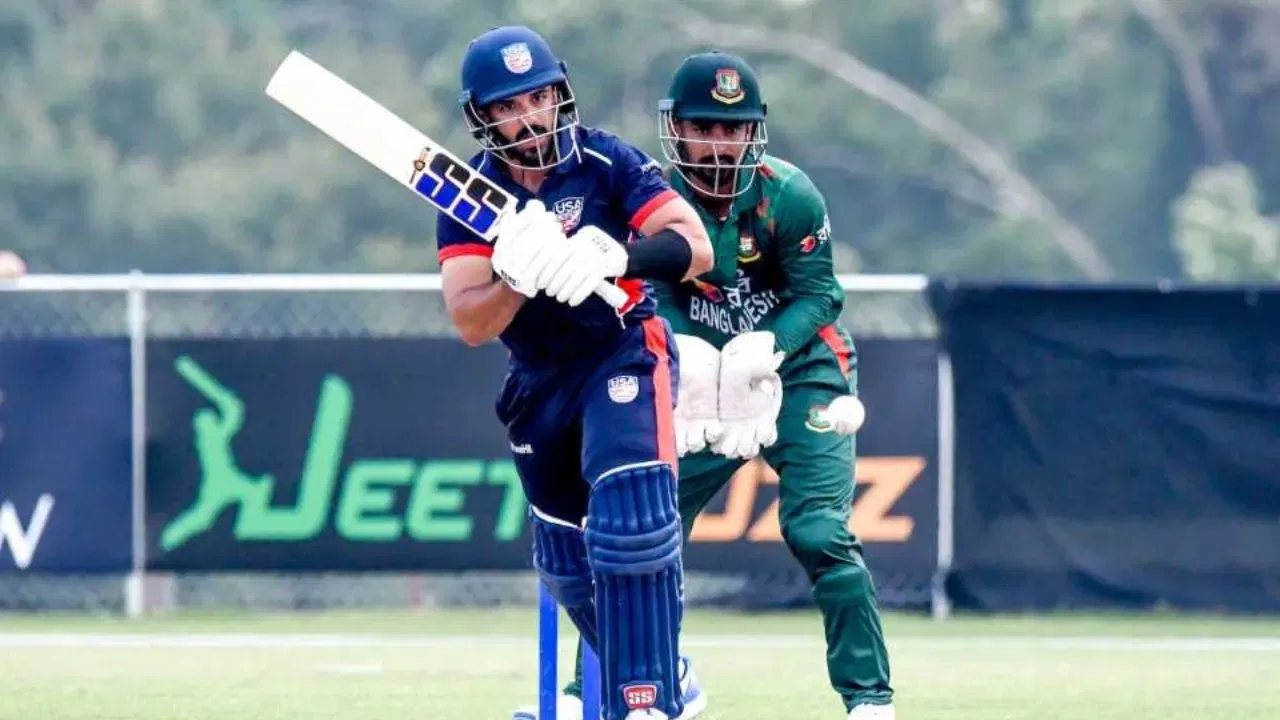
(720, 178)
(530, 154)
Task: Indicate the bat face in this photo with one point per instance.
(459, 191)
(384, 140)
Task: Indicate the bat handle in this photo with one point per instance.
(612, 294)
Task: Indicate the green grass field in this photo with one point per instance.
(469, 665)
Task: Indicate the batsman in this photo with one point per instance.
(771, 299)
(589, 393)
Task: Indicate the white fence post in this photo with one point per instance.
(136, 311)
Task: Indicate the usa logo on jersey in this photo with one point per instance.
(569, 212)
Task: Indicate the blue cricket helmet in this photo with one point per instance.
(505, 62)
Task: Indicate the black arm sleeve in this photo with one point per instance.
(665, 255)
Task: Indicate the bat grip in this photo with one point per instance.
(612, 294)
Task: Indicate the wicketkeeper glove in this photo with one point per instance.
(697, 417)
(750, 395)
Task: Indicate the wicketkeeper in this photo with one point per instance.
(765, 366)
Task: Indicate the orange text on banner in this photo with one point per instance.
(882, 481)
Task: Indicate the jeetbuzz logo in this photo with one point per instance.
(362, 501)
(223, 484)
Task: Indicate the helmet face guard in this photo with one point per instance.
(707, 88)
(562, 135)
(719, 175)
(502, 64)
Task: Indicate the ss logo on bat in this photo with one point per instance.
(464, 194)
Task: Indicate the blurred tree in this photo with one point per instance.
(1220, 232)
(1030, 138)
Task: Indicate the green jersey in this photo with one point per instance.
(773, 268)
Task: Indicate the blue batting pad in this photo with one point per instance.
(634, 543)
(560, 557)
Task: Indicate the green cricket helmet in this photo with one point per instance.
(714, 88)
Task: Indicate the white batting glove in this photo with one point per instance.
(593, 257)
(750, 395)
(528, 243)
(697, 403)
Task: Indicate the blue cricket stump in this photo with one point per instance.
(548, 662)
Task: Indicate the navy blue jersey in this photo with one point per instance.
(607, 183)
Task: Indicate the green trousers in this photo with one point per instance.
(816, 490)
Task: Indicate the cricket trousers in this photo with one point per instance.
(569, 426)
(594, 446)
(816, 492)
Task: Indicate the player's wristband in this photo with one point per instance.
(665, 255)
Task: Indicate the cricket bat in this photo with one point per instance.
(384, 140)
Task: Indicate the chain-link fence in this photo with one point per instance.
(892, 312)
